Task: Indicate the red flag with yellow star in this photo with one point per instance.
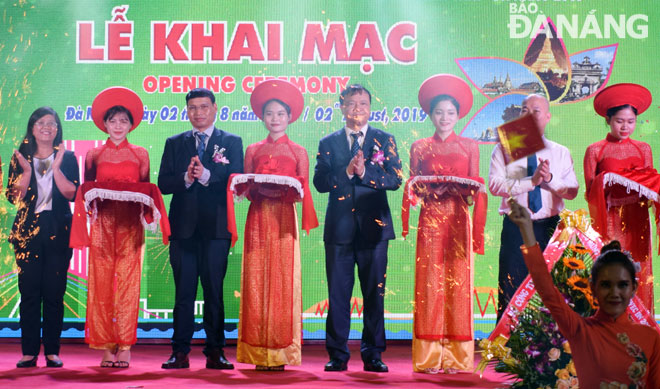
(520, 137)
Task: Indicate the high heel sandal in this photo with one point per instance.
(119, 364)
(108, 363)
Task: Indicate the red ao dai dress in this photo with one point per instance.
(116, 247)
(625, 214)
(443, 327)
(270, 317)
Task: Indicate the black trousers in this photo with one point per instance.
(192, 259)
(340, 261)
(42, 266)
(512, 269)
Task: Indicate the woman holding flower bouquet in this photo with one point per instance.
(618, 212)
(609, 351)
(269, 331)
(444, 178)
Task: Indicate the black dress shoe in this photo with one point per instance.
(216, 360)
(177, 361)
(376, 365)
(29, 363)
(54, 362)
(336, 365)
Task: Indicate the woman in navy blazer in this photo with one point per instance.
(43, 178)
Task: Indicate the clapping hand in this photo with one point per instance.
(356, 166)
(542, 172)
(190, 169)
(59, 156)
(195, 169)
(24, 164)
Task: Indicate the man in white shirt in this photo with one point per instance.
(540, 182)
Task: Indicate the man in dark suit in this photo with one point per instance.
(357, 165)
(195, 168)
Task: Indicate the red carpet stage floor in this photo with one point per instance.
(81, 370)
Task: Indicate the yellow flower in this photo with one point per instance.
(562, 374)
(579, 283)
(567, 348)
(571, 368)
(580, 249)
(590, 299)
(574, 263)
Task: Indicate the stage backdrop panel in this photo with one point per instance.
(61, 54)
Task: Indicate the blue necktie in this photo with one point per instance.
(201, 144)
(533, 197)
(355, 146)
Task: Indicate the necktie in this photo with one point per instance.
(533, 197)
(201, 144)
(355, 146)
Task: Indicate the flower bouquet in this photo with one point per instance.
(536, 354)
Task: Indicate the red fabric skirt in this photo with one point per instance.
(443, 271)
(268, 280)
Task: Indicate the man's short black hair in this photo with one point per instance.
(351, 90)
(200, 92)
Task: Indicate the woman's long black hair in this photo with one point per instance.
(29, 145)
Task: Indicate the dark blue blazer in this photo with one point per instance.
(22, 232)
(199, 207)
(357, 208)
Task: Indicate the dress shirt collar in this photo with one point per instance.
(208, 131)
(363, 130)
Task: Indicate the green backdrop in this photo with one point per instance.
(62, 54)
